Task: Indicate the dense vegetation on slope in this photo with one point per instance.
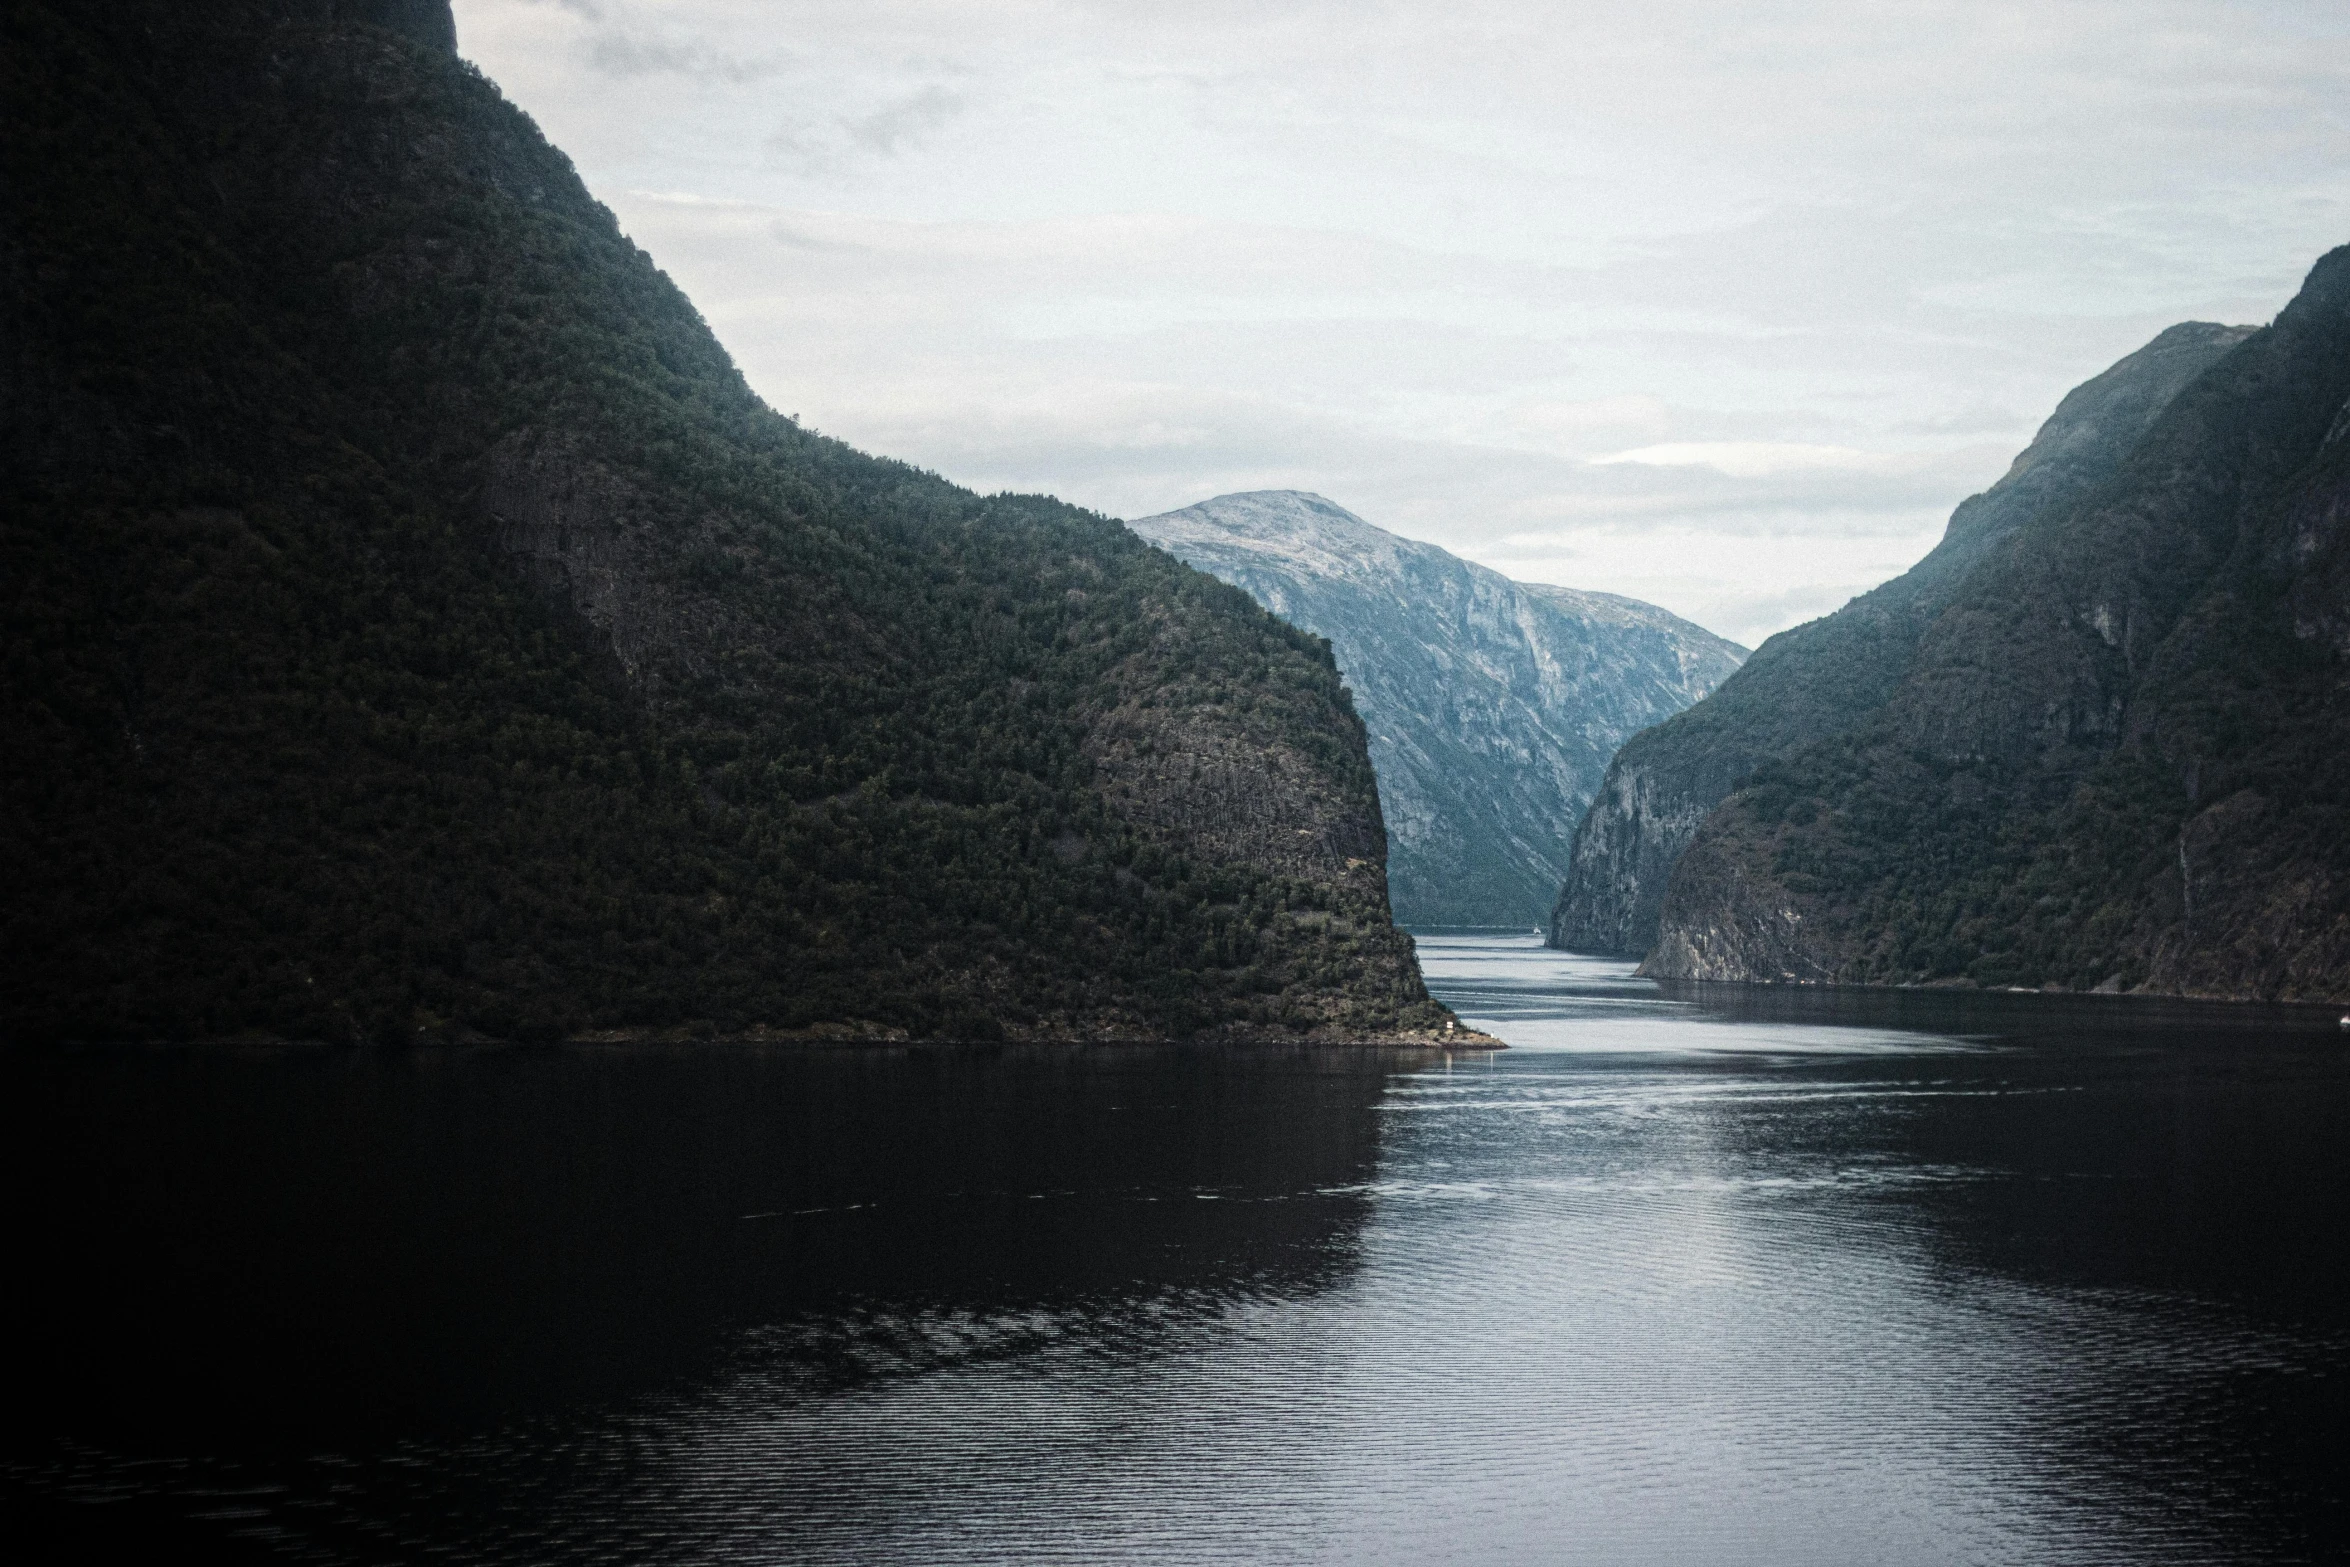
(1493, 705)
(414, 627)
(2121, 756)
(1819, 680)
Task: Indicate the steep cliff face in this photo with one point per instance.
(416, 628)
(2117, 759)
(1819, 680)
(1492, 705)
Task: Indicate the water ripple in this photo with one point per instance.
(1687, 1289)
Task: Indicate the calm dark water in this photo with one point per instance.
(1719, 1277)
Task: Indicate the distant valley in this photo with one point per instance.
(1493, 706)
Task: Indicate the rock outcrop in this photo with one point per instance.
(416, 629)
(2119, 756)
(1493, 706)
(1819, 680)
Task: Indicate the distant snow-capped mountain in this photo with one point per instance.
(1493, 706)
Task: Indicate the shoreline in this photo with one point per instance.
(1965, 987)
(1466, 1041)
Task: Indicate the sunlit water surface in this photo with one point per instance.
(1722, 1276)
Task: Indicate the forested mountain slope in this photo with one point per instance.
(2120, 757)
(1818, 680)
(415, 628)
(1493, 706)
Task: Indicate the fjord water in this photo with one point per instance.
(1720, 1275)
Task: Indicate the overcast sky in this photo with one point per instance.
(1719, 305)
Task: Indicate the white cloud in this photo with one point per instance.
(1755, 459)
(906, 122)
(1761, 292)
(627, 55)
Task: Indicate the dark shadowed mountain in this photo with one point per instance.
(415, 628)
(1820, 679)
(2118, 757)
(1493, 705)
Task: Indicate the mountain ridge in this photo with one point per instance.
(417, 630)
(1806, 685)
(2116, 760)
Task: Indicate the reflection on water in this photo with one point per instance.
(1715, 1276)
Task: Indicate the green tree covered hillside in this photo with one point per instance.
(2120, 755)
(415, 628)
(1830, 675)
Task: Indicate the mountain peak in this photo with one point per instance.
(1311, 532)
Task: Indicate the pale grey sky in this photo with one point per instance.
(1720, 305)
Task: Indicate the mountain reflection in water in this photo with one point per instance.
(1717, 1276)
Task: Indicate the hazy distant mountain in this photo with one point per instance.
(1822, 678)
(2116, 753)
(1493, 705)
(416, 628)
